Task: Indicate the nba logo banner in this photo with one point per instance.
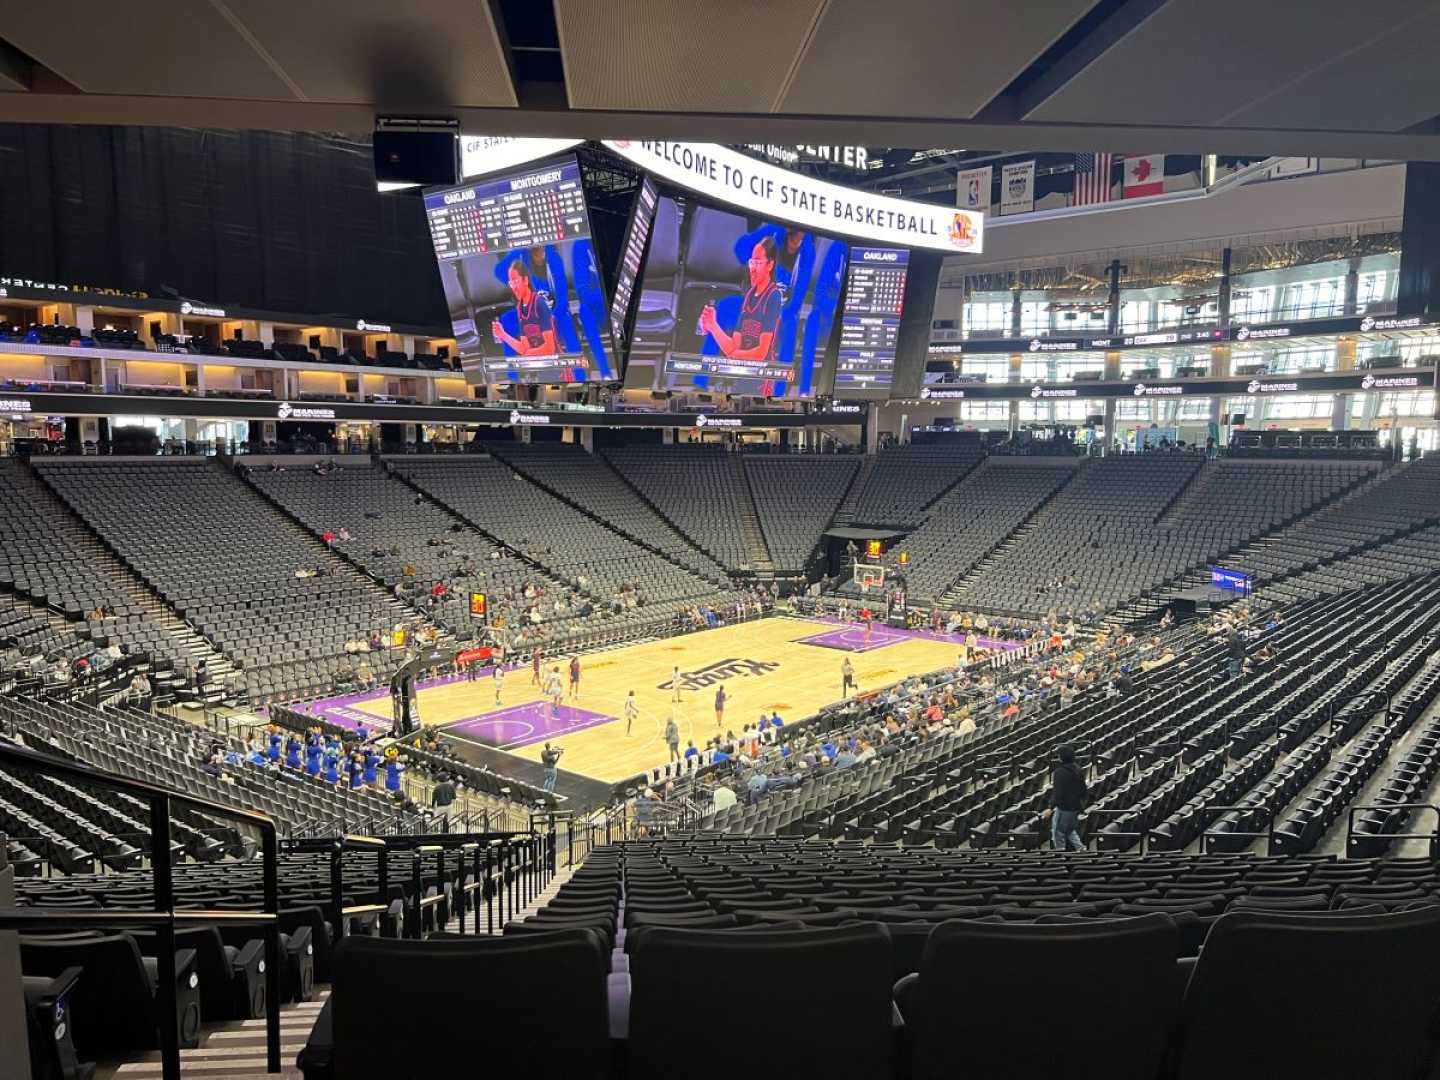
(972, 189)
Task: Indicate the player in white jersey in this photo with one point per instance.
(632, 710)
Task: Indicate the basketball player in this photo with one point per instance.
(847, 677)
(499, 681)
(675, 683)
(632, 710)
(720, 706)
(866, 618)
(535, 666)
(574, 677)
(553, 691)
(533, 316)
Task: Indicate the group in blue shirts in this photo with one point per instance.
(322, 757)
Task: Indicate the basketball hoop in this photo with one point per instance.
(869, 576)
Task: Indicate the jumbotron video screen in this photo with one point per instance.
(518, 265)
(734, 304)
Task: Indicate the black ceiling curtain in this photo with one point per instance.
(273, 220)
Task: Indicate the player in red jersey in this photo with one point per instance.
(759, 321)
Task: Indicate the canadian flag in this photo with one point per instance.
(1144, 176)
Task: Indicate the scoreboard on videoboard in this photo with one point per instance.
(542, 206)
(870, 327)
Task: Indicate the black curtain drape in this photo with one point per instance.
(279, 221)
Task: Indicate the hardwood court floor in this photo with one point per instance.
(764, 666)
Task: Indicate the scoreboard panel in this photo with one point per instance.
(870, 326)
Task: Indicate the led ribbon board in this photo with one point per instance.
(725, 175)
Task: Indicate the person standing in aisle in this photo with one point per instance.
(1067, 799)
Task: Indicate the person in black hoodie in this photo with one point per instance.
(1067, 799)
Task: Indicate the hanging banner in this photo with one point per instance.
(764, 190)
(1017, 188)
(972, 189)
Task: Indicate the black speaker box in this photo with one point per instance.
(416, 157)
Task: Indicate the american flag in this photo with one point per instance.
(1092, 178)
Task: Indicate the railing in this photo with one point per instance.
(1250, 813)
(1333, 711)
(1354, 840)
(1096, 835)
(164, 918)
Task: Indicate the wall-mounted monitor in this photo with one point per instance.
(517, 262)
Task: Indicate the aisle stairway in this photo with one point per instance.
(845, 512)
(234, 1048)
(759, 551)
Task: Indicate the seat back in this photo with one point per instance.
(1020, 1000)
(1292, 994)
(811, 982)
(521, 988)
(113, 1003)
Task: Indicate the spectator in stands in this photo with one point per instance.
(723, 798)
(755, 787)
(140, 691)
(690, 750)
(1067, 799)
(550, 759)
(1236, 650)
(444, 793)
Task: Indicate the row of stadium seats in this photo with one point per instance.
(223, 559)
(646, 930)
(1159, 752)
(698, 489)
(796, 498)
(585, 479)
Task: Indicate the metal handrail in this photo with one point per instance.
(1267, 835)
(1433, 838)
(1331, 711)
(161, 800)
(1143, 836)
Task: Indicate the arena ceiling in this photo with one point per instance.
(1242, 77)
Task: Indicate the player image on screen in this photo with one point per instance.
(734, 305)
(534, 321)
(520, 276)
(758, 323)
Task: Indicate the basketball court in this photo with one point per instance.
(785, 665)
